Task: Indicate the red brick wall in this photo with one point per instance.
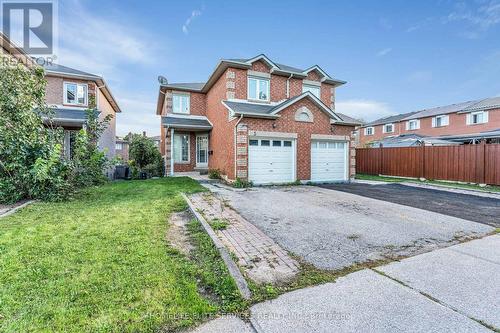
(184, 167)
(261, 66)
(457, 125)
(221, 140)
(278, 84)
(54, 91)
(287, 123)
(313, 76)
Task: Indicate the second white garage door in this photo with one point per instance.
(328, 161)
(271, 160)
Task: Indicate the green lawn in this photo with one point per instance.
(488, 188)
(100, 263)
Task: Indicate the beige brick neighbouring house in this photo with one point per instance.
(257, 120)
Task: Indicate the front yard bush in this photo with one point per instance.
(144, 156)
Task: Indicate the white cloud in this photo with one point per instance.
(366, 110)
(384, 52)
(479, 19)
(101, 45)
(194, 14)
(420, 76)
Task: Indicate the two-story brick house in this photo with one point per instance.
(69, 92)
(466, 122)
(258, 120)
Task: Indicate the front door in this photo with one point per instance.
(202, 151)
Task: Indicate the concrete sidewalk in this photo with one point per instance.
(448, 290)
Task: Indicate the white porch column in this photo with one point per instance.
(172, 152)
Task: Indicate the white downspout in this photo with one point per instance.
(288, 86)
(172, 152)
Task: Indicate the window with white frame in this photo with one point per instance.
(413, 124)
(388, 128)
(181, 148)
(180, 103)
(75, 93)
(118, 146)
(440, 121)
(315, 90)
(369, 130)
(258, 89)
(474, 118)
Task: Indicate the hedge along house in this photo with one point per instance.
(257, 120)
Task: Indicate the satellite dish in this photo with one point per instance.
(163, 80)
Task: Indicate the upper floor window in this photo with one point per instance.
(480, 117)
(388, 128)
(75, 93)
(440, 121)
(315, 90)
(413, 124)
(180, 103)
(258, 89)
(118, 146)
(369, 130)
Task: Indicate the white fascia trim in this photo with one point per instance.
(253, 103)
(262, 57)
(71, 75)
(316, 67)
(187, 126)
(176, 115)
(315, 99)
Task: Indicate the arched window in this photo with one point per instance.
(304, 114)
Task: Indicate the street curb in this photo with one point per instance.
(233, 269)
(15, 209)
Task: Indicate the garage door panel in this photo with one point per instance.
(271, 164)
(328, 160)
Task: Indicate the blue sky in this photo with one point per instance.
(397, 56)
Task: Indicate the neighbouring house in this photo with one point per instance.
(257, 120)
(121, 148)
(467, 122)
(69, 93)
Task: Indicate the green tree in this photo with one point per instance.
(144, 155)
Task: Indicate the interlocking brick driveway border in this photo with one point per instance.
(260, 257)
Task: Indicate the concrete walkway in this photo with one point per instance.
(455, 289)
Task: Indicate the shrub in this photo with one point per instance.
(214, 174)
(145, 156)
(241, 183)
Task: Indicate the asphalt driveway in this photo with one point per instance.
(333, 229)
(469, 207)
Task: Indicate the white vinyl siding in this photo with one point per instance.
(181, 148)
(475, 118)
(440, 121)
(180, 103)
(315, 90)
(75, 93)
(388, 128)
(412, 125)
(369, 130)
(258, 89)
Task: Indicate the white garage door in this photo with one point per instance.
(328, 161)
(271, 160)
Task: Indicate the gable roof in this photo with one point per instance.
(276, 68)
(348, 119)
(64, 71)
(271, 111)
(389, 119)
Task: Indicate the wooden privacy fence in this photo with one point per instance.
(466, 163)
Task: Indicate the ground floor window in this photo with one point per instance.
(181, 148)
